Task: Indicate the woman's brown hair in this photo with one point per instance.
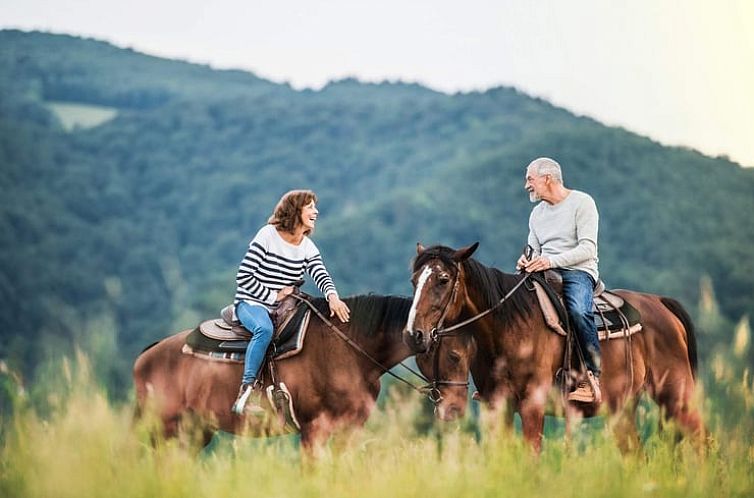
(287, 214)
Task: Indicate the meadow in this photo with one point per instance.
(65, 438)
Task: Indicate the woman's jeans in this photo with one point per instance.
(257, 320)
(578, 294)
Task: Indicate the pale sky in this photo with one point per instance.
(680, 72)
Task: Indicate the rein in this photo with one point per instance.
(440, 331)
(427, 390)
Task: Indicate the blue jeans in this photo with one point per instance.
(578, 293)
(257, 320)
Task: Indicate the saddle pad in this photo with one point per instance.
(286, 343)
(608, 309)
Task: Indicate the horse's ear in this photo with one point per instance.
(465, 253)
(420, 248)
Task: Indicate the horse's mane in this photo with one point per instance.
(371, 313)
(491, 283)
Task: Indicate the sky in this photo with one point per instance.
(680, 72)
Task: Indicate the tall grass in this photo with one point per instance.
(73, 442)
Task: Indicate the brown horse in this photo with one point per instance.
(333, 386)
(518, 356)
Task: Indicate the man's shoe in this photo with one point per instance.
(588, 391)
(248, 401)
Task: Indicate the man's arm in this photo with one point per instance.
(587, 223)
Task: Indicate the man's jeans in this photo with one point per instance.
(257, 320)
(578, 293)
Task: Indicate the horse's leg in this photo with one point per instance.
(573, 417)
(532, 410)
(509, 415)
(623, 425)
(314, 434)
(194, 431)
(673, 392)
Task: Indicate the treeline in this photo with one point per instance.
(116, 236)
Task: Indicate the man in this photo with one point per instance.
(563, 232)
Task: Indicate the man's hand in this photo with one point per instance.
(540, 263)
(338, 307)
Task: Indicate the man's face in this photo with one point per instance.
(535, 185)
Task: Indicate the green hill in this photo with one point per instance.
(115, 235)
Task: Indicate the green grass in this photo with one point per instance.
(65, 439)
(74, 116)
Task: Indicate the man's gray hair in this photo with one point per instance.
(547, 166)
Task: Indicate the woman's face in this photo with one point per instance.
(309, 215)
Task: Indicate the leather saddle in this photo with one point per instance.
(226, 337)
(613, 315)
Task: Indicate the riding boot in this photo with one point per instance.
(588, 390)
(248, 401)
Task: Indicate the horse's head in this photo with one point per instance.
(439, 293)
(439, 297)
(446, 365)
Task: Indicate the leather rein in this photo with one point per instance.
(426, 390)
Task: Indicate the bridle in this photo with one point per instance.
(436, 337)
(438, 332)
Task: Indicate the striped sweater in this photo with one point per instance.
(271, 263)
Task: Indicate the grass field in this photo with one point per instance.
(74, 116)
(73, 442)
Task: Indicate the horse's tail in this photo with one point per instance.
(680, 312)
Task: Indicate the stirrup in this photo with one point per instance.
(248, 401)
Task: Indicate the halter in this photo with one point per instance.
(436, 336)
(438, 332)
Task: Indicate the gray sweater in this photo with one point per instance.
(566, 233)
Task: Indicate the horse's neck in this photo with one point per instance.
(389, 349)
(505, 320)
(385, 347)
(385, 318)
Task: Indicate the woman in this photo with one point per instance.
(278, 256)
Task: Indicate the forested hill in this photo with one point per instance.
(132, 185)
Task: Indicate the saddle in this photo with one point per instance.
(226, 339)
(614, 317)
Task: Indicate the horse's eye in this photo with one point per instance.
(454, 357)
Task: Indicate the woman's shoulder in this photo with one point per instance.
(310, 247)
(265, 234)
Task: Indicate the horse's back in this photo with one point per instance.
(156, 354)
(155, 367)
(667, 328)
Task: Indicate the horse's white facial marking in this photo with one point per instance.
(417, 296)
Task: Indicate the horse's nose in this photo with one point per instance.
(450, 413)
(416, 340)
(418, 337)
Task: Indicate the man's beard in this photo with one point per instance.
(533, 197)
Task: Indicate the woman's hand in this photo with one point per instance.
(284, 292)
(338, 307)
